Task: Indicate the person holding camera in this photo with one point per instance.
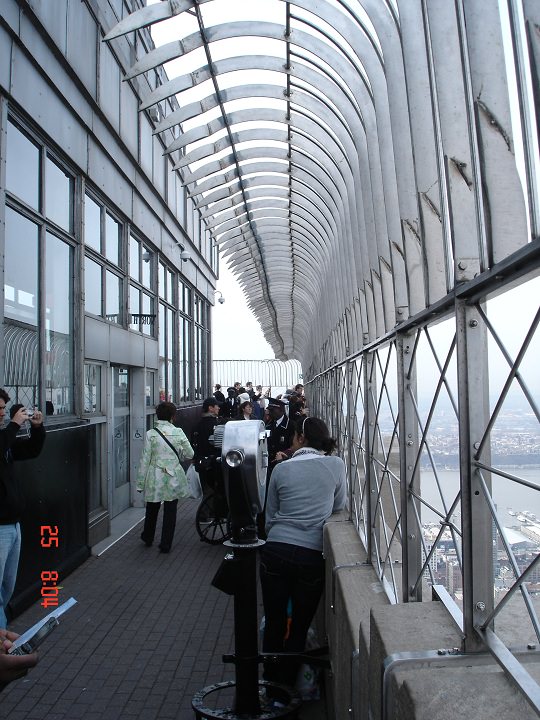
(302, 494)
(12, 500)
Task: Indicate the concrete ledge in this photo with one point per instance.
(446, 687)
(364, 630)
(408, 627)
(352, 589)
(452, 693)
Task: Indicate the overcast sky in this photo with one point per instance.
(236, 334)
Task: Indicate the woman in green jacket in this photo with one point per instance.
(161, 476)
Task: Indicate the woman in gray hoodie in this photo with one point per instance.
(303, 492)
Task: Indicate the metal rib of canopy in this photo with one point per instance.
(327, 144)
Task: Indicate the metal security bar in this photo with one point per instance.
(440, 427)
(272, 374)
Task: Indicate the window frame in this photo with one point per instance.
(48, 226)
(145, 321)
(107, 265)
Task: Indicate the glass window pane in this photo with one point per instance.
(186, 361)
(134, 249)
(21, 316)
(58, 325)
(92, 224)
(147, 267)
(198, 388)
(134, 307)
(92, 388)
(121, 388)
(21, 269)
(162, 330)
(148, 312)
(161, 281)
(181, 355)
(169, 277)
(169, 380)
(150, 394)
(112, 239)
(113, 297)
(58, 195)
(202, 313)
(120, 427)
(169, 334)
(162, 380)
(92, 287)
(22, 167)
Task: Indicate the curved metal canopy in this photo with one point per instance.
(327, 144)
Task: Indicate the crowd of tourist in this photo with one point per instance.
(249, 403)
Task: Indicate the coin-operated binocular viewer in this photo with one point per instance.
(244, 462)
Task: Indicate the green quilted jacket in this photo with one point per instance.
(160, 476)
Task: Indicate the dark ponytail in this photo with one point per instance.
(316, 433)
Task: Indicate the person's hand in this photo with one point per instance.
(37, 418)
(281, 456)
(20, 417)
(13, 667)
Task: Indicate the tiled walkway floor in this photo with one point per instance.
(147, 633)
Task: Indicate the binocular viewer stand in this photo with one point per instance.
(237, 576)
(244, 458)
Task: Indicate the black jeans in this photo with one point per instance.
(288, 572)
(169, 523)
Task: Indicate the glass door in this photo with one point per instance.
(119, 470)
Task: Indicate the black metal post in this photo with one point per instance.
(246, 634)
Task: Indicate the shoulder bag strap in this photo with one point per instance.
(169, 443)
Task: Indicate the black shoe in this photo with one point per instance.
(164, 549)
(145, 541)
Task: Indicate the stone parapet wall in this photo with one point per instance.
(352, 589)
(365, 633)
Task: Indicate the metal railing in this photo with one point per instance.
(268, 373)
(439, 424)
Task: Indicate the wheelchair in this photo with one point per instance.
(212, 517)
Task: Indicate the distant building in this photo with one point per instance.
(433, 561)
(454, 580)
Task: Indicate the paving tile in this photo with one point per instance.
(147, 633)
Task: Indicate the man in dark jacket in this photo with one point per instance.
(220, 397)
(12, 501)
(229, 409)
(205, 457)
(281, 429)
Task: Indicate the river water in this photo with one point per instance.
(506, 494)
